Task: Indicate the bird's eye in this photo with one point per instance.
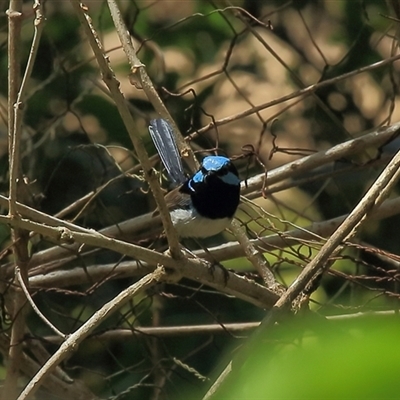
(222, 172)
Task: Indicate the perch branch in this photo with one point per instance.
(195, 269)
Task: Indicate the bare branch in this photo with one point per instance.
(16, 302)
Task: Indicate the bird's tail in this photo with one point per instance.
(164, 140)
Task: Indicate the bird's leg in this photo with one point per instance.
(212, 262)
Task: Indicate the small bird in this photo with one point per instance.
(204, 204)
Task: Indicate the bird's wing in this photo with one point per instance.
(164, 140)
(176, 199)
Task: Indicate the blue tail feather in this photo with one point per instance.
(164, 141)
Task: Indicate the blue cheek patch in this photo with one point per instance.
(198, 177)
(230, 178)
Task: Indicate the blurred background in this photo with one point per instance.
(229, 74)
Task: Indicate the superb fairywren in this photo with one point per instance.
(204, 204)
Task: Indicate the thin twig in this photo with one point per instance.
(33, 305)
(37, 34)
(14, 23)
(255, 256)
(139, 72)
(233, 328)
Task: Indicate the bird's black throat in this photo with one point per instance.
(213, 198)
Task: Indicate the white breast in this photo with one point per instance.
(189, 223)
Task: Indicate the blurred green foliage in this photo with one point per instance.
(354, 359)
